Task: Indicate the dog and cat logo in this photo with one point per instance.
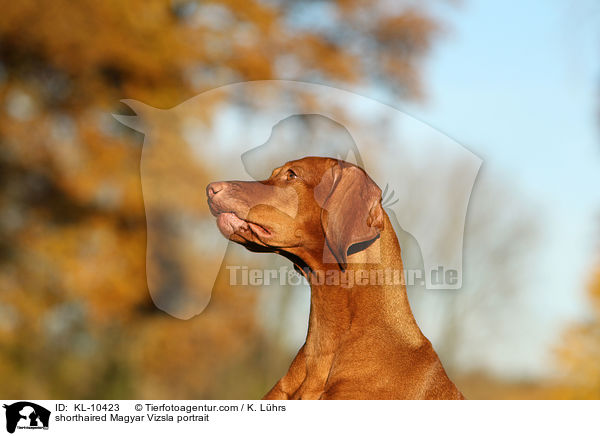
(26, 415)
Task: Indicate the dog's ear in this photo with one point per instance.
(351, 208)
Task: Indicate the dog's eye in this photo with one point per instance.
(291, 175)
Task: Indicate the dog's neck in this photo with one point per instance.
(369, 292)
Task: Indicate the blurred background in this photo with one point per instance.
(514, 82)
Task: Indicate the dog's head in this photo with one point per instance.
(307, 207)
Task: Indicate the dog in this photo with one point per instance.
(363, 342)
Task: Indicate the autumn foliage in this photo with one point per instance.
(579, 351)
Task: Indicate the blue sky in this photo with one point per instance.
(518, 83)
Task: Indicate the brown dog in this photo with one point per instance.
(326, 216)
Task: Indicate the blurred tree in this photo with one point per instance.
(469, 327)
(76, 320)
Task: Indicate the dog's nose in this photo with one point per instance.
(213, 188)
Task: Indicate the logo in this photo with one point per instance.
(26, 415)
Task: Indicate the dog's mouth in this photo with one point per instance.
(229, 224)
